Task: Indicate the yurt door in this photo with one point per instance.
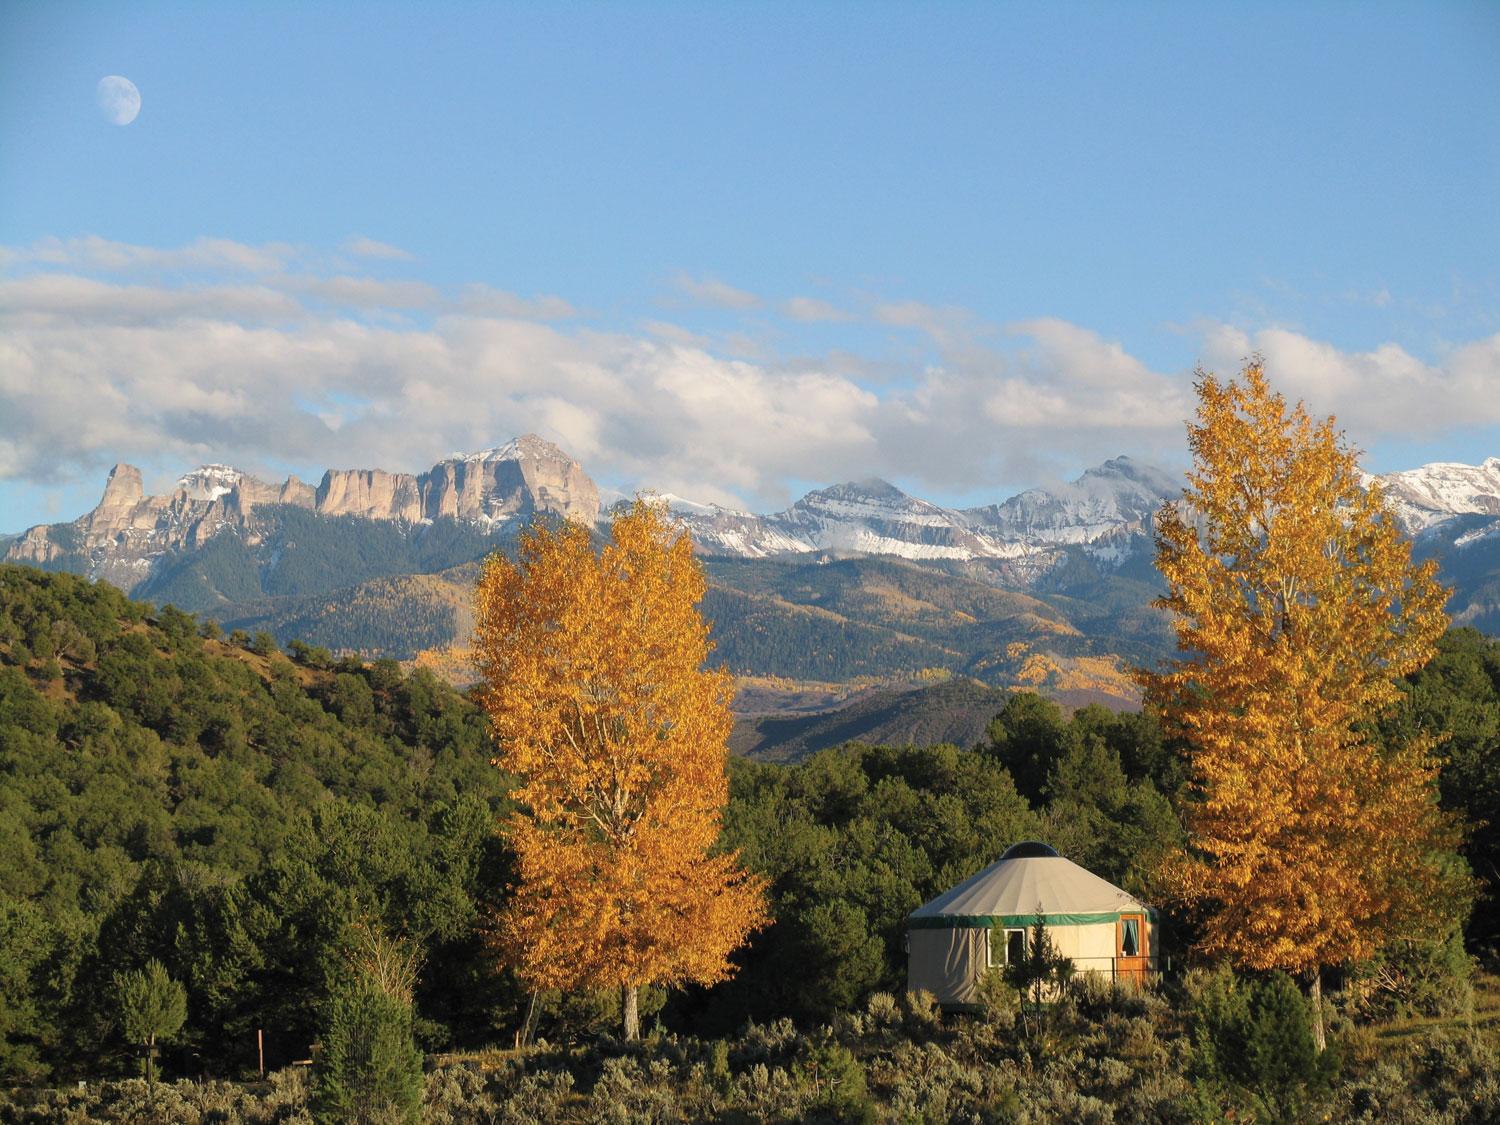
(1130, 948)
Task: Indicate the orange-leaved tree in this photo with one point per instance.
(593, 677)
(1297, 609)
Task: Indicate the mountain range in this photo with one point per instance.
(855, 584)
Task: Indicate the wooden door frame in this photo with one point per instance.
(1133, 968)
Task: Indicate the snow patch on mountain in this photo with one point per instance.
(1096, 512)
(527, 446)
(209, 482)
(1433, 494)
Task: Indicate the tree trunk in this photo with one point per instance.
(632, 1012)
(1315, 991)
(528, 1026)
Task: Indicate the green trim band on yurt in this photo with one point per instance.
(1103, 928)
(989, 921)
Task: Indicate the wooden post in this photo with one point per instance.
(260, 1047)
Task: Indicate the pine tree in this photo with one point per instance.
(594, 681)
(1297, 609)
(153, 1008)
(370, 1069)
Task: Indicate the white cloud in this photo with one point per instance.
(949, 326)
(1383, 392)
(364, 247)
(303, 369)
(676, 333)
(482, 300)
(74, 300)
(91, 252)
(368, 292)
(95, 373)
(811, 310)
(711, 291)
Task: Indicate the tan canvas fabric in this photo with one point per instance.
(1092, 946)
(946, 962)
(1021, 886)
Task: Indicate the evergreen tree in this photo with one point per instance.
(370, 1069)
(153, 1008)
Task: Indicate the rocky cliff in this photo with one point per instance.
(128, 533)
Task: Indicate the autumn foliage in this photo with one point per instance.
(1297, 609)
(593, 677)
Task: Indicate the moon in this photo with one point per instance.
(119, 100)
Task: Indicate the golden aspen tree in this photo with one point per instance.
(1297, 609)
(593, 678)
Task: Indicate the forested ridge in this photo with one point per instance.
(387, 588)
(235, 812)
(224, 810)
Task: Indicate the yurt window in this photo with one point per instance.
(1130, 938)
(1015, 946)
(1014, 949)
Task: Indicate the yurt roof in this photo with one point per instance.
(1029, 881)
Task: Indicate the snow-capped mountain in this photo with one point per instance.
(1103, 518)
(874, 517)
(209, 482)
(1436, 493)
(1121, 493)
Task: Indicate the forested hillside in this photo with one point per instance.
(231, 811)
(235, 813)
(399, 592)
(955, 711)
(227, 811)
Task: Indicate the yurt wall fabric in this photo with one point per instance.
(942, 962)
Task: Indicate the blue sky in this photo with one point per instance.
(736, 250)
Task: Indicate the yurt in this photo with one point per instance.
(1102, 928)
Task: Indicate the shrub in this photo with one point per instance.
(457, 1094)
(1460, 1074)
(882, 1010)
(923, 1016)
(1421, 978)
(537, 1098)
(831, 1078)
(370, 1069)
(1257, 1035)
(998, 999)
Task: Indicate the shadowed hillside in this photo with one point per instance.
(956, 713)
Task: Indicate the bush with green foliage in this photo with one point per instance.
(153, 1008)
(1254, 1035)
(369, 1069)
(1040, 975)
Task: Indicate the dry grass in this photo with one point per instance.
(1485, 1019)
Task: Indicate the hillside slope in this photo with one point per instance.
(956, 712)
(156, 781)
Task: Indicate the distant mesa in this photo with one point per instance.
(128, 530)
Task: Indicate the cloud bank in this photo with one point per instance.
(269, 356)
